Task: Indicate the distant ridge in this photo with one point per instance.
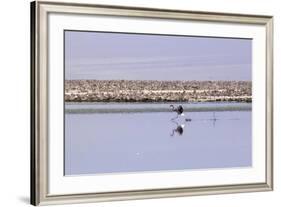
(157, 91)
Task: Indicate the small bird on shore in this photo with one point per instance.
(178, 110)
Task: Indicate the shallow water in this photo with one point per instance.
(101, 107)
(150, 141)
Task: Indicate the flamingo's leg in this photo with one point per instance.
(175, 117)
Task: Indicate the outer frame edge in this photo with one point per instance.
(269, 104)
(33, 179)
(263, 18)
(154, 194)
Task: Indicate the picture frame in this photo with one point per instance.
(46, 188)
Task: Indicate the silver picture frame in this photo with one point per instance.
(39, 100)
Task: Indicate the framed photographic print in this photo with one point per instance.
(133, 103)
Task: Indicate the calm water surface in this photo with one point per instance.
(150, 141)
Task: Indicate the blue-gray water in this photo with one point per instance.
(150, 141)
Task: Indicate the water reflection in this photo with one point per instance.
(178, 129)
(151, 141)
(214, 119)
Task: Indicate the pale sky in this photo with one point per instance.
(107, 56)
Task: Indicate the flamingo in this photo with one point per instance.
(178, 110)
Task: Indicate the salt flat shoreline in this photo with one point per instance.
(98, 107)
(157, 91)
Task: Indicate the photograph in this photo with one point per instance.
(147, 102)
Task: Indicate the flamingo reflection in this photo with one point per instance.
(179, 129)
